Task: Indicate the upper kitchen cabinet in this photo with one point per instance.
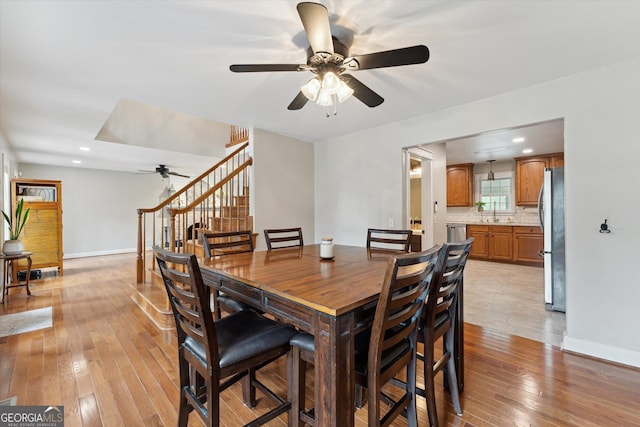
(460, 185)
(557, 160)
(530, 174)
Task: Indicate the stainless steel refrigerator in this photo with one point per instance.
(551, 217)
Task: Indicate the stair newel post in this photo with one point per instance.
(139, 260)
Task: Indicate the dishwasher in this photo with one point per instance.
(456, 232)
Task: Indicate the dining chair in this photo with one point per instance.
(226, 243)
(222, 244)
(278, 238)
(388, 242)
(383, 351)
(213, 355)
(438, 321)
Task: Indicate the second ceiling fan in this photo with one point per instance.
(329, 60)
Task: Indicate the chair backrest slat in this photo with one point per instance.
(189, 300)
(279, 238)
(227, 243)
(442, 296)
(388, 241)
(404, 289)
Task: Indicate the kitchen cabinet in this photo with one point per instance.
(42, 233)
(460, 185)
(528, 242)
(505, 243)
(501, 242)
(556, 160)
(480, 246)
(530, 175)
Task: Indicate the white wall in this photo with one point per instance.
(282, 186)
(99, 207)
(358, 183)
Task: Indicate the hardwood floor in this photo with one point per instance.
(509, 298)
(109, 365)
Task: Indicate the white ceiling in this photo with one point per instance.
(505, 144)
(64, 65)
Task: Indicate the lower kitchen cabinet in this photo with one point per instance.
(480, 246)
(505, 243)
(528, 243)
(501, 242)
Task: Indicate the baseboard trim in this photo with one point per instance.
(602, 351)
(99, 253)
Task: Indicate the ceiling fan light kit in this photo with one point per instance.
(311, 89)
(329, 60)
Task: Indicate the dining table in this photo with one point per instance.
(332, 299)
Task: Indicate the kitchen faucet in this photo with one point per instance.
(494, 213)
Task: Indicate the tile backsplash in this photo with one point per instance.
(521, 216)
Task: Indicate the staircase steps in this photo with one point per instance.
(151, 295)
(232, 223)
(241, 200)
(234, 211)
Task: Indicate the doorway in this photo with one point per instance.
(507, 297)
(418, 195)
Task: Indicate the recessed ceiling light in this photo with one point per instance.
(527, 150)
(85, 148)
(518, 139)
(77, 162)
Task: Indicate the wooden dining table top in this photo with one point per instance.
(334, 287)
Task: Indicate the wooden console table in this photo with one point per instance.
(9, 261)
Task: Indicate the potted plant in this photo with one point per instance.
(480, 204)
(14, 246)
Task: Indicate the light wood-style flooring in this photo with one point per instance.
(110, 366)
(509, 298)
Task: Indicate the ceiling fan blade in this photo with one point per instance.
(315, 20)
(362, 91)
(298, 102)
(390, 58)
(256, 68)
(178, 174)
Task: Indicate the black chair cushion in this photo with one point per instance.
(361, 348)
(304, 341)
(243, 335)
(231, 305)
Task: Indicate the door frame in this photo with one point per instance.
(427, 207)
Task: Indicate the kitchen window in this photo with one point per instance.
(497, 194)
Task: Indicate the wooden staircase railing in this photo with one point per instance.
(217, 200)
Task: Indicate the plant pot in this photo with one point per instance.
(12, 247)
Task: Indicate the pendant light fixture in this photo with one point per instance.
(490, 176)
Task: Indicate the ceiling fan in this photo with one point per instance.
(164, 171)
(329, 60)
